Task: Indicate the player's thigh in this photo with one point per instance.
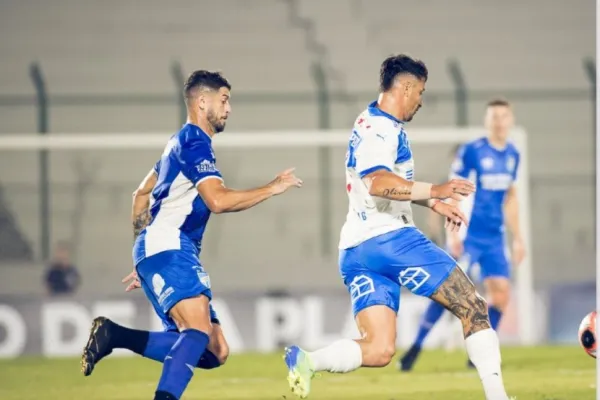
(375, 303)
(377, 327)
(179, 286)
(192, 313)
(497, 290)
(377, 323)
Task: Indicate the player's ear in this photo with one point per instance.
(201, 101)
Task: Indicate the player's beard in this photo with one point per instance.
(217, 123)
(413, 114)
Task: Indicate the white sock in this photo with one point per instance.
(342, 356)
(483, 348)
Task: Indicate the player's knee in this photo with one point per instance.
(477, 317)
(500, 298)
(479, 303)
(223, 354)
(383, 354)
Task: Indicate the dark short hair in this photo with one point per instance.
(205, 80)
(397, 65)
(498, 102)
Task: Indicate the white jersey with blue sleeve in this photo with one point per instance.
(179, 215)
(493, 171)
(378, 141)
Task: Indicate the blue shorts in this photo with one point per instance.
(374, 270)
(171, 276)
(491, 256)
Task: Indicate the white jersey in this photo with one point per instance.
(378, 141)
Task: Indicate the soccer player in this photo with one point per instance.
(492, 162)
(381, 249)
(185, 187)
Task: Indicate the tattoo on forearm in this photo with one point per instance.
(398, 191)
(140, 222)
(459, 296)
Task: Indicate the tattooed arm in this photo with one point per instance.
(140, 213)
(386, 184)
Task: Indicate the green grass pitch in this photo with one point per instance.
(541, 373)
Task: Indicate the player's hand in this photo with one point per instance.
(284, 181)
(456, 189)
(132, 281)
(454, 216)
(518, 251)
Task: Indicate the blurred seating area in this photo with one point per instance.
(531, 54)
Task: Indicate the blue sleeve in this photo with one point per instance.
(464, 162)
(515, 172)
(157, 167)
(197, 161)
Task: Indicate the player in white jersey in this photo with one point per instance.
(492, 163)
(171, 209)
(381, 249)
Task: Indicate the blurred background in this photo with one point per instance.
(116, 67)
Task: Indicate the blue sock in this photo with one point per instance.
(431, 316)
(160, 344)
(495, 316)
(208, 361)
(178, 367)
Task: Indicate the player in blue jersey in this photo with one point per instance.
(492, 163)
(381, 249)
(171, 209)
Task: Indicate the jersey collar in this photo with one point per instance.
(200, 132)
(376, 111)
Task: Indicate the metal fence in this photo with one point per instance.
(324, 99)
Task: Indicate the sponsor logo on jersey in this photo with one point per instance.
(207, 166)
(496, 181)
(487, 163)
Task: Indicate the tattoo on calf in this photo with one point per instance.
(459, 296)
(140, 222)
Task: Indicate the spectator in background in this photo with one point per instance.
(62, 276)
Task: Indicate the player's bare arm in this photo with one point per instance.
(140, 215)
(221, 199)
(511, 213)
(386, 184)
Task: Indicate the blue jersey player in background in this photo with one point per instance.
(171, 209)
(381, 250)
(492, 163)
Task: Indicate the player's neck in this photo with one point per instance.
(388, 105)
(496, 141)
(202, 124)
